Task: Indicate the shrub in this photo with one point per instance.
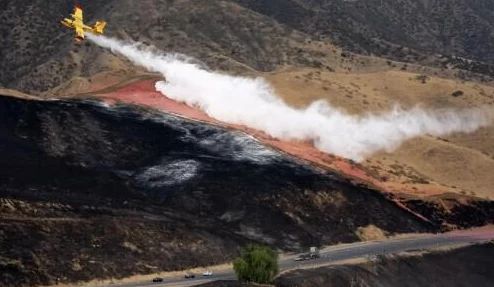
(457, 93)
(422, 78)
(258, 264)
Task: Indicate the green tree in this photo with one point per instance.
(258, 264)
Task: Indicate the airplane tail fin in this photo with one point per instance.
(99, 27)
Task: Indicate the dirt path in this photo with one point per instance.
(122, 84)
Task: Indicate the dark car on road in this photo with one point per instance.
(189, 275)
(158, 279)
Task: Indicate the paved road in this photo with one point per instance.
(338, 253)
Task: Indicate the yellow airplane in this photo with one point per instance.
(77, 23)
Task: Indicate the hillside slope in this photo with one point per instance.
(244, 36)
(120, 191)
(117, 185)
(38, 53)
(281, 41)
(428, 165)
(460, 27)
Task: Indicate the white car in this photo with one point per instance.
(302, 257)
(207, 273)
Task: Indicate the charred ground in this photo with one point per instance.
(119, 191)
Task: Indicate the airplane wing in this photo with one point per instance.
(78, 14)
(78, 22)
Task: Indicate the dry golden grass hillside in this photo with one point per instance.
(461, 163)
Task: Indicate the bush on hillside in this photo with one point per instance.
(457, 93)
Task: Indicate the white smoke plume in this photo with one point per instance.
(252, 102)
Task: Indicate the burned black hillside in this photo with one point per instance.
(115, 191)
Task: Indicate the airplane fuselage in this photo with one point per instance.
(69, 23)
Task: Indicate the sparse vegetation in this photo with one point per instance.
(422, 78)
(410, 174)
(370, 232)
(457, 93)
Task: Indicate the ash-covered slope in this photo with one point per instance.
(92, 192)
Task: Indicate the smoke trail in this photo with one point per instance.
(252, 102)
